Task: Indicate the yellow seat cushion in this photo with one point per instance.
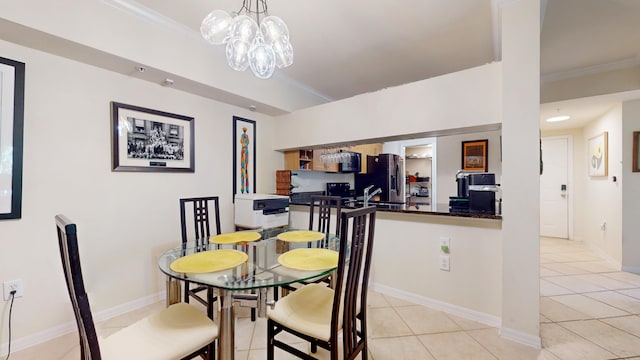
(306, 310)
(172, 333)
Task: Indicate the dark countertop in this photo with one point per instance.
(441, 209)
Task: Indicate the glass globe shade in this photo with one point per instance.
(273, 29)
(215, 27)
(284, 53)
(238, 53)
(243, 27)
(262, 59)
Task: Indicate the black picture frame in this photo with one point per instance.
(636, 152)
(148, 140)
(12, 82)
(244, 176)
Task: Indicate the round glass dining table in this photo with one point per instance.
(247, 283)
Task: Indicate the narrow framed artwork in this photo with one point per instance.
(151, 140)
(244, 156)
(636, 152)
(475, 155)
(11, 137)
(598, 155)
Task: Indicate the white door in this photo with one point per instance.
(554, 191)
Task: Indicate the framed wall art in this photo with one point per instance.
(636, 152)
(244, 156)
(151, 140)
(11, 137)
(598, 155)
(475, 155)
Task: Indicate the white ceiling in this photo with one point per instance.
(346, 48)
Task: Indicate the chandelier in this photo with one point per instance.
(261, 43)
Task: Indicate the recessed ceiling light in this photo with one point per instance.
(558, 118)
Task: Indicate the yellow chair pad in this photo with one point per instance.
(309, 259)
(300, 236)
(209, 261)
(235, 237)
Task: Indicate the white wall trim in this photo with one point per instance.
(469, 314)
(607, 258)
(63, 329)
(521, 337)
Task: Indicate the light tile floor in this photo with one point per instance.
(588, 311)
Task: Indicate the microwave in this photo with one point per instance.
(350, 162)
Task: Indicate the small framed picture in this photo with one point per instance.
(151, 140)
(475, 155)
(598, 155)
(244, 156)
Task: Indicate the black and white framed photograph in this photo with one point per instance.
(244, 156)
(11, 137)
(151, 140)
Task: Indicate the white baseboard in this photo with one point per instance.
(520, 337)
(484, 318)
(63, 329)
(616, 264)
(474, 315)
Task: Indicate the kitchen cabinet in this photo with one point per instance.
(310, 159)
(298, 160)
(283, 182)
(366, 149)
(320, 165)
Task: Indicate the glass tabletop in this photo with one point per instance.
(262, 268)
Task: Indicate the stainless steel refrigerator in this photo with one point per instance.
(386, 171)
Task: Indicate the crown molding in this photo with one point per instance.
(590, 70)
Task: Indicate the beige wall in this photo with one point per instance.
(124, 219)
(603, 197)
(458, 100)
(472, 288)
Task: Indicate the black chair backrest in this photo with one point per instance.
(324, 205)
(68, 242)
(352, 277)
(200, 214)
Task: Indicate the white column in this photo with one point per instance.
(630, 183)
(520, 21)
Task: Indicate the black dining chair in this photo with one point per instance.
(201, 213)
(321, 208)
(178, 332)
(319, 314)
(325, 205)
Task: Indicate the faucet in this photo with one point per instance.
(368, 196)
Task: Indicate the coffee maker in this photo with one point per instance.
(476, 193)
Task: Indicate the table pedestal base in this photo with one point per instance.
(226, 332)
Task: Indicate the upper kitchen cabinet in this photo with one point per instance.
(367, 149)
(312, 160)
(298, 160)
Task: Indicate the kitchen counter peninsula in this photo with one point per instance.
(441, 209)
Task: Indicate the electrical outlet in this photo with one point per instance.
(445, 244)
(13, 285)
(444, 262)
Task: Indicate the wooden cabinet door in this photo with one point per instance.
(283, 182)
